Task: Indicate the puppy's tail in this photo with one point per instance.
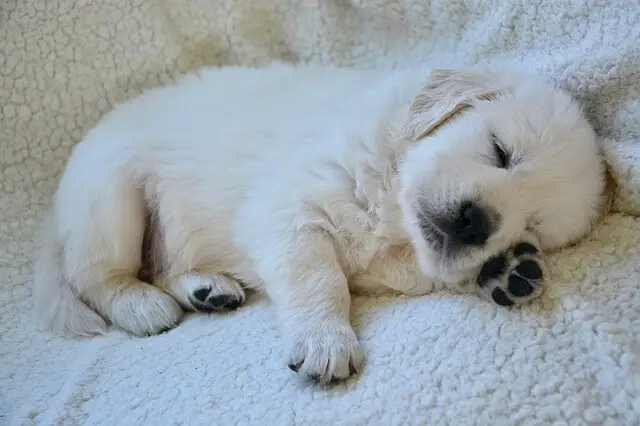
(57, 307)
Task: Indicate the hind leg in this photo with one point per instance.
(192, 268)
(133, 305)
(101, 221)
(204, 292)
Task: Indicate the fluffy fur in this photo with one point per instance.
(306, 183)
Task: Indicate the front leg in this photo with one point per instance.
(511, 277)
(305, 282)
(397, 269)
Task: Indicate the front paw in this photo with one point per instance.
(512, 277)
(326, 351)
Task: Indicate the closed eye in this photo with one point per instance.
(501, 155)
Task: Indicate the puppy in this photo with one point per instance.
(306, 183)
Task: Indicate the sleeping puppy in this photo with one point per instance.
(306, 183)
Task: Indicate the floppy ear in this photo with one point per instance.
(446, 93)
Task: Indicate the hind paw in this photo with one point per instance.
(217, 298)
(206, 293)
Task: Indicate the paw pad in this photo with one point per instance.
(205, 300)
(492, 269)
(529, 269)
(519, 286)
(500, 297)
(513, 276)
(201, 294)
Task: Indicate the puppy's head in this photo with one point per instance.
(494, 159)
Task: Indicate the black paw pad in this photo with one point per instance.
(529, 269)
(500, 297)
(295, 367)
(492, 269)
(161, 331)
(201, 294)
(524, 248)
(519, 287)
(224, 301)
(204, 302)
(220, 301)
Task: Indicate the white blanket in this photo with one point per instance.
(573, 357)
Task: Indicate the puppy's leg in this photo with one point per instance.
(512, 277)
(131, 304)
(194, 275)
(305, 282)
(205, 292)
(103, 225)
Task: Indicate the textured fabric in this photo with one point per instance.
(570, 358)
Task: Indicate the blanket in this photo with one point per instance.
(571, 357)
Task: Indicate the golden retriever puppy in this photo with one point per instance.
(306, 183)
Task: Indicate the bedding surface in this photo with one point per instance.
(571, 357)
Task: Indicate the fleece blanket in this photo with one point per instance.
(572, 357)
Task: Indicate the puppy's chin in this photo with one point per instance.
(430, 259)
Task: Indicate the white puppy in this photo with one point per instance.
(308, 182)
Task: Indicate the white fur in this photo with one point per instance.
(303, 182)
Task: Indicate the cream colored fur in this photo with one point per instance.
(306, 182)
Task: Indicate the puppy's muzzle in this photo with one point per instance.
(471, 225)
(468, 225)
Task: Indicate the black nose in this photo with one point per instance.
(472, 226)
